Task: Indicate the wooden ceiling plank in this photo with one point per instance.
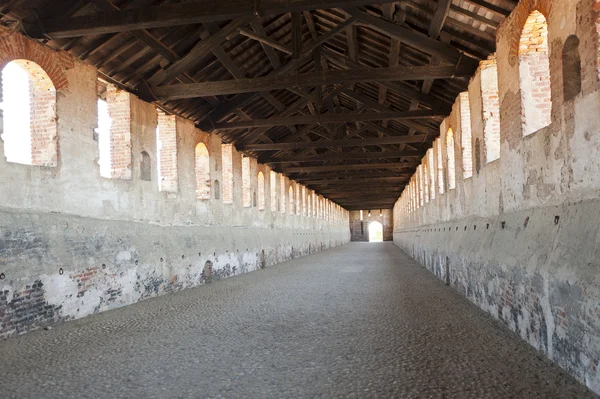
(174, 15)
(340, 156)
(327, 118)
(263, 39)
(334, 143)
(334, 168)
(268, 83)
(199, 50)
(410, 37)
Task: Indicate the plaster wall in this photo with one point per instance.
(521, 238)
(73, 243)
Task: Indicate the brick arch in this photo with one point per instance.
(519, 17)
(18, 47)
(202, 171)
(32, 140)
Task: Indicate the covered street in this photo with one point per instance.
(362, 320)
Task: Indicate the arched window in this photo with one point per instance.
(571, 61)
(145, 167)
(28, 104)
(425, 176)
(217, 190)
(103, 133)
(261, 191)
(203, 173)
(246, 183)
(534, 70)
(273, 187)
(491, 111)
(282, 193)
(431, 173)
(166, 152)
(298, 204)
(292, 203)
(227, 159)
(465, 135)
(451, 159)
(420, 182)
(440, 165)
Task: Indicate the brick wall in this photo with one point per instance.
(261, 191)
(534, 69)
(227, 162)
(359, 229)
(274, 188)
(491, 109)
(465, 135)
(246, 182)
(166, 143)
(505, 237)
(450, 148)
(119, 110)
(202, 172)
(90, 244)
(283, 193)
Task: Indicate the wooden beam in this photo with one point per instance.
(174, 15)
(199, 50)
(491, 7)
(411, 37)
(333, 168)
(264, 39)
(392, 180)
(340, 156)
(403, 90)
(334, 143)
(268, 83)
(439, 18)
(327, 118)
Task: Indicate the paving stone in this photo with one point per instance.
(358, 321)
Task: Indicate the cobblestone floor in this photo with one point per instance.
(362, 320)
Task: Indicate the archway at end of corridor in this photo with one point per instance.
(375, 232)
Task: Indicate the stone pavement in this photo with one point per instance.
(359, 321)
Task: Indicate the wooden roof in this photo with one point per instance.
(344, 97)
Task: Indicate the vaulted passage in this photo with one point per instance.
(150, 147)
(362, 320)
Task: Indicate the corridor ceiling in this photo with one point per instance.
(344, 97)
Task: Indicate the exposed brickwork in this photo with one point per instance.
(437, 146)
(202, 172)
(298, 199)
(517, 204)
(18, 47)
(274, 187)
(32, 141)
(292, 201)
(465, 135)
(431, 169)
(25, 310)
(359, 229)
(491, 109)
(534, 69)
(246, 182)
(166, 144)
(261, 191)
(283, 192)
(425, 177)
(119, 110)
(227, 161)
(450, 146)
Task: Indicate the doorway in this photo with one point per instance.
(375, 232)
